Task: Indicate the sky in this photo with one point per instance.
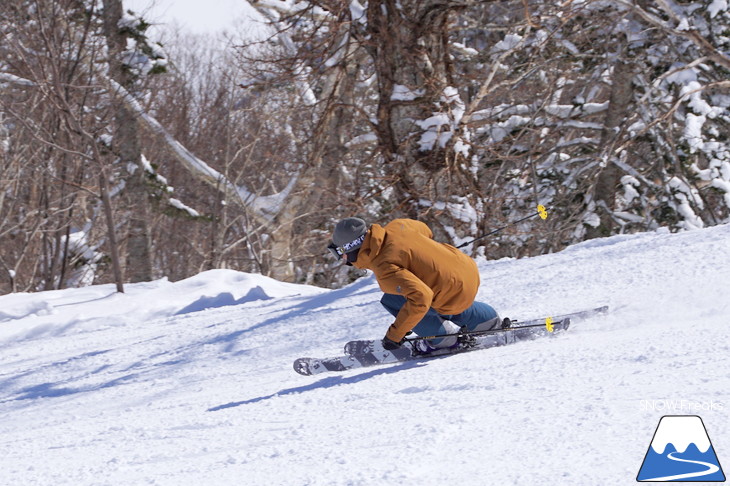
(197, 16)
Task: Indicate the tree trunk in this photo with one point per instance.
(604, 191)
(113, 246)
(139, 253)
(126, 138)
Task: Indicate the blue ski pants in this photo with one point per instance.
(478, 317)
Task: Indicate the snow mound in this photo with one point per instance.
(59, 312)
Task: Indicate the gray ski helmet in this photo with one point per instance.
(348, 233)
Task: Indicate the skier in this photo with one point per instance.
(429, 287)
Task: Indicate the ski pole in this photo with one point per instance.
(541, 211)
(549, 324)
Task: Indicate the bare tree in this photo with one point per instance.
(463, 114)
(54, 145)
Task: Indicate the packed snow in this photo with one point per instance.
(191, 382)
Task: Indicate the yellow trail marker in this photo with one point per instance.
(549, 324)
(542, 211)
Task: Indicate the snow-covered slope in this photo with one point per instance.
(191, 382)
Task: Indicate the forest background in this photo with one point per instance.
(125, 158)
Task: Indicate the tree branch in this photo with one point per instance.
(264, 208)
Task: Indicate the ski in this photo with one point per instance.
(379, 355)
(369, 353)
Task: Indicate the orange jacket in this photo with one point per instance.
(408, 262)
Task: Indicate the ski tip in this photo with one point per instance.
(301, 366)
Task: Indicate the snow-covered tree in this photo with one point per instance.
(469, 114)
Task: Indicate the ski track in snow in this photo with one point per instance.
(152, 388)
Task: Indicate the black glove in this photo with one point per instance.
(390, 345)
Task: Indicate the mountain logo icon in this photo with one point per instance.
(681, 451)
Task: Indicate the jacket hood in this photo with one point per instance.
(371, 247)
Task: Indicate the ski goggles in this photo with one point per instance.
(338, 251)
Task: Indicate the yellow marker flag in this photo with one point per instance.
(549, 324)
(542, 211)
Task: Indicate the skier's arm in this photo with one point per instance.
(399, 281)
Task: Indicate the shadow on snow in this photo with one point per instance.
(324, 383)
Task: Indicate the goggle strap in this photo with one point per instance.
(338, 251)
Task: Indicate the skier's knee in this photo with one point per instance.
(487, 325)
